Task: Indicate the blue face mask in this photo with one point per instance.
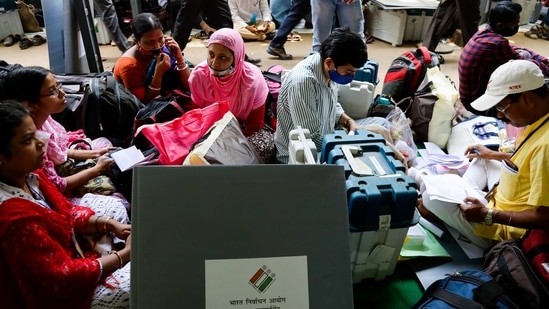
(340, 79)
(222, 73)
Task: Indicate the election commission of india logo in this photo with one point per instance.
(262, 279)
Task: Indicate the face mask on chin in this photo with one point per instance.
(151, 52)
(221, 73)
(340, 79)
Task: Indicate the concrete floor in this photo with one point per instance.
(380, 51)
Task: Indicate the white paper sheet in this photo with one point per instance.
(127, 158)
(450, 188)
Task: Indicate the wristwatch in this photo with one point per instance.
(488, 219)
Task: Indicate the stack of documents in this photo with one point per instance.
(432, 155)
(450, 188)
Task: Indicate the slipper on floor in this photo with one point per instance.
(25, 43)
(202, 35)
(369, 38)
(12, 39)
(295, 37)
(531, 35)
(38, 40)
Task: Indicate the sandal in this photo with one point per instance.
(369, 38)
(533, 33)
(12, 39)
(202, 35)
(538, 32)
(294, 37)
(544, 32)
(38, 40)
(25, 43)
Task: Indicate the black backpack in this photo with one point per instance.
(5, 69)
(100, 105)
(273, 77)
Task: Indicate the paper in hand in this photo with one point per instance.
(127, 158)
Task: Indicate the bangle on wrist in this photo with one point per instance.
(178, 68)
(119, 258)
(105, 224)
(153, 88)
(95, 223)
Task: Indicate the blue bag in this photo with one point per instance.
(468, 289)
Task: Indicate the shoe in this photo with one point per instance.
(279, 52)
(25, 43)
(12, 39)
(38, 40)
(255, 61)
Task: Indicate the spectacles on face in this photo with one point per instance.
(54, 92)
(504, 109)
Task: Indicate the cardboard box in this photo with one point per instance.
(397, 26)
(386, 25)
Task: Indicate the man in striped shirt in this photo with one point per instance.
(308, 95)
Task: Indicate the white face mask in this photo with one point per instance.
(222, 73)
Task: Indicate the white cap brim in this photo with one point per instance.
(487, 101)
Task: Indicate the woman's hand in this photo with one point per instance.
(473, 209)
(99, 152)
(103, 164)
(121, 230)
(174, 48)
(163, 64)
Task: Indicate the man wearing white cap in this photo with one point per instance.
(518, 93)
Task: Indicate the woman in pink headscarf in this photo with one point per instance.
(225, 76)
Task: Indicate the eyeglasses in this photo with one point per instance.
(54, 92)
(503, 109)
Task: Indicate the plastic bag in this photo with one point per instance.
(401, 133)
(223, 144)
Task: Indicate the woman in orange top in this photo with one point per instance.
(155, 64)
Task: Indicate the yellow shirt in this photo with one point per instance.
(525, 189)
